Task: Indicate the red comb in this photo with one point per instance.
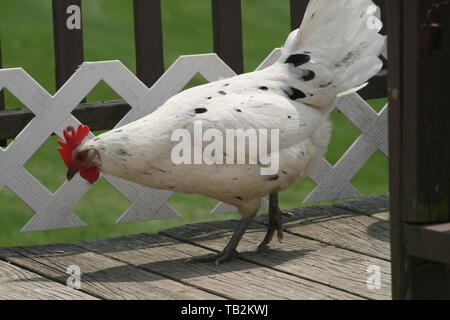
(73, 139)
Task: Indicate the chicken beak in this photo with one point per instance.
(71, 173)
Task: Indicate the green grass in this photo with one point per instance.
(26, 35)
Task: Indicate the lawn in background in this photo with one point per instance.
(26, 35)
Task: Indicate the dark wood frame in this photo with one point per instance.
(419, 156)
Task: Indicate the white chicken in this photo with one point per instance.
(335, 51)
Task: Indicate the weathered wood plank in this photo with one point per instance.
(20, 284)
(338, 268)
(235, 280)
(341, 228)
(366, 205)
(101, 276)
(386, 216)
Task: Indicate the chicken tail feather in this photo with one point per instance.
(336, 49)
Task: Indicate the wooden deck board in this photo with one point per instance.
(341, 228)
(368, 206)
(101, 276)
(325, 254)
(234, 280)
(18, 283)
(338, 268)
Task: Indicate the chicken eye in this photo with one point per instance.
(80, 156)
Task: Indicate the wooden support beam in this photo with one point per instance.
(3, 142)
(97, 115)
(227, 32)
(419, 156)
(430, 242)
(148, 38)
(298, 8)
(68, 38)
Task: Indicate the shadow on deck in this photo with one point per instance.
(328, 252)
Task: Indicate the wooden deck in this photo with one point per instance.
(325, 255)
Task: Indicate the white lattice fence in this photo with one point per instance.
(53, 115)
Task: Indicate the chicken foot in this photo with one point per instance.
(230, 250)
(275, 222)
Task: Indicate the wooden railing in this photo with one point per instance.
(68, 43)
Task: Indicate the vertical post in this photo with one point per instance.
(2, 95)
(298, 9)
(227, 32)
(68, 38)
(419, 140)
(148, 40)
(383, 8)
(395, 31)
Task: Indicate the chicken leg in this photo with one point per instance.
(230, 250)
(275, 222)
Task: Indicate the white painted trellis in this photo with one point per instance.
(53, 115)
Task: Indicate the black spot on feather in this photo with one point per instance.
(298, 59)
(238, 110)
(200, 110)
(122, 152)
(295, 94)
(222, 92)
(325, 85)
(309, 76)
(264, 88)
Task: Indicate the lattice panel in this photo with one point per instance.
(53, 115)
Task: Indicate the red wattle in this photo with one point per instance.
(91, 174)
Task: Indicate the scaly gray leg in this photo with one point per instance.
(275, 222)
(230, 250)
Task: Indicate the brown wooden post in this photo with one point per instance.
(298, 8)
(68, 38)
(227, 32)
(419, 154)
(2, 95)
(148, 40)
